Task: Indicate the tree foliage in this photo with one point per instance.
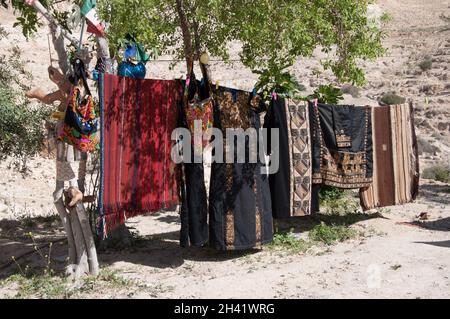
(21, 129)
(273, 34)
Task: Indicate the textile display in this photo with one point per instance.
(396, 160)
(80, 123)
(342, 145)
(291, 186)
(240, 214)
(138, 175)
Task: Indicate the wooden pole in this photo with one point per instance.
(82, 252)
(88, 238)
(80, 246)
(68, 228)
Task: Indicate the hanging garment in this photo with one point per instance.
(80, 123)
(138, 175)
(342, 145)
(194, 209)
(129, 69)
(291, 186)
(396, 160)
(240, 215)
(202, 112)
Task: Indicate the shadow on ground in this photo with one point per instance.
(444, 244)
(439, 194)
(19, 238)
(157, 250)
(437, 225)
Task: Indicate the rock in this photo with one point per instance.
(443, 126)
(3, 208)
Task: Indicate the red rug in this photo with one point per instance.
(137, 173)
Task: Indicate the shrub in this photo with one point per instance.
(426, 64)
(327, 94)
(330, 194)
(287, 241)
(352, 90)
(425, 146)
(21, 129)
(439, 173)
(331, 234)
(392, 99)
(21, 126)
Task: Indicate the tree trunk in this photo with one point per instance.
(186, 31)
(82, 252)
(41, 9)
(204, 68)
(58, 43)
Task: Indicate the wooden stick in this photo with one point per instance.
(88, 239)
(68, 228)
(82, 258)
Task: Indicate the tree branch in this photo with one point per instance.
(187, 38)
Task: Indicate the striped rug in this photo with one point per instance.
(396, 161)
(137, 174)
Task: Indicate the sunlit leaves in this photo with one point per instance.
(274, 33)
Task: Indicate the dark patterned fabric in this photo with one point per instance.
(240, 215)
(342, 145)
(291, 186)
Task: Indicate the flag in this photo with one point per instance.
(94, 25)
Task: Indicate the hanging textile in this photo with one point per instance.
(202, 112)
(396, 160)
(342, 145)
(291, 185)
(194, 209)
(89, 11)
(80, 123)
(240, 215)
(138, 175)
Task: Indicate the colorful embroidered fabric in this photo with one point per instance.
(137, 174)
(80, 124)
(201, 112)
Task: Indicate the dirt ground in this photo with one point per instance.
(389, 255)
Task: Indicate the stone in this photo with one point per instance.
(3, 208)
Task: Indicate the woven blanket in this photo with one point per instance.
(138, 175)
(396, 161)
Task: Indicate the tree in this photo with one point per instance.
(273, 33)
